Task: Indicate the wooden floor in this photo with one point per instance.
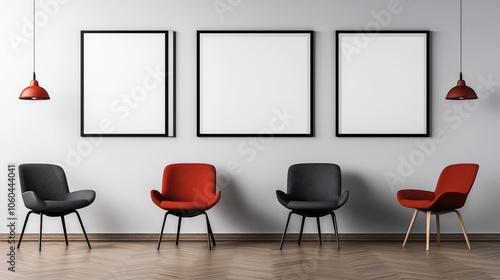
(256, 260)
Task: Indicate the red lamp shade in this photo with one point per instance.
(34, 92)
(461, 91)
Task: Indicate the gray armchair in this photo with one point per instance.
(313, 190)
(45, 192)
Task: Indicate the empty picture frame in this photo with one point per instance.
(255, 83)
(127, 83)
(382, 83)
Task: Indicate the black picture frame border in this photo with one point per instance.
(170, 81)
(427, 93)
(311, 77)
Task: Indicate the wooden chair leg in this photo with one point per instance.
(410, 227)
(438, 237)
(428, 231)
(463, 228)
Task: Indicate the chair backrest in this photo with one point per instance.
(48, 181)
(314, 181)
(189, 182)
(457, 178)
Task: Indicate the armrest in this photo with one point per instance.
(87, 195)
(283, 198)
(157, 197)
(343, 198)
(214, 200)
(448, 201)
(413, 194)
(33, 201)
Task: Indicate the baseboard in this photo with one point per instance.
(245, 237)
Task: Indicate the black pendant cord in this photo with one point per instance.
(34, 30)
(460, 39)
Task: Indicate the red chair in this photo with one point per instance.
(451, 192)
(188, 190)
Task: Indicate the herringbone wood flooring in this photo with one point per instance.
(256, 260)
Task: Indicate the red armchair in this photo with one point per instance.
(188, 190)
(453, 186)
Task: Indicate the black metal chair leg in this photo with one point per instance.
(301, 228)
(24, 227)
(284, 232)
(40, 234)
(83, 229)
(319, 231)
(64, 229)
(178, 230)
(208, 232)
(211, 233)
(334, 219)
(161, 232)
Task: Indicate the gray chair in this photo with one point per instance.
(313, 190)
(45, 192)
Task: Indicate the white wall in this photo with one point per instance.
(124, 170)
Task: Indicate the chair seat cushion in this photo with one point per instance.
(179, 206)
(183, 206)
(312, 206)
(429, 201)
(416, 199)
(73, 201)
(307, 206)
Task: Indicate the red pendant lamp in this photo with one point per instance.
(461, 91)
(34, 91)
